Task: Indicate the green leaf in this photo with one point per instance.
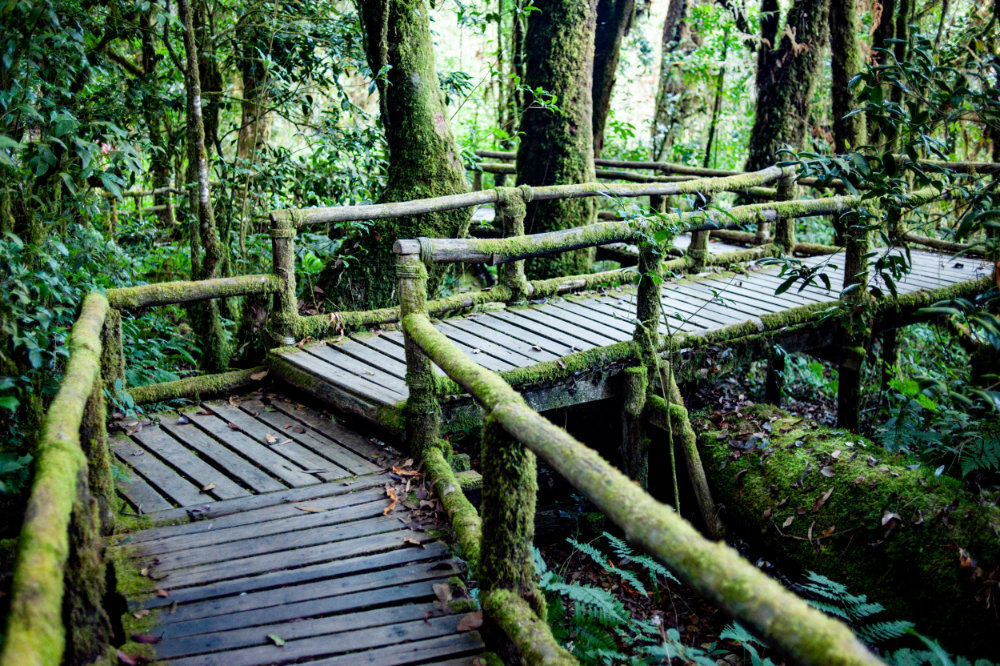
(8, 402)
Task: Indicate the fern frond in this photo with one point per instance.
(879, 632)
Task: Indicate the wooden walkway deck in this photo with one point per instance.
(273, 524)
(367, 370)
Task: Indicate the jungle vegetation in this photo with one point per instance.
(146, 141)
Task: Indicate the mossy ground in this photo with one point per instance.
(919, 544)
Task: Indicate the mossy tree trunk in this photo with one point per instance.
(423, 158)
(206, 245)
(672, 100)
(557, 144)
(614, 19)
(786, 73)
(159, 160)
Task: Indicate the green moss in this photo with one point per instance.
(200, 386)
(531, 637)
(135, 588)
(464, 517)
(909, 561)
(184, 291)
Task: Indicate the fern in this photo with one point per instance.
(982, 453)
(881, 632)
(652, 567)
(599, 558)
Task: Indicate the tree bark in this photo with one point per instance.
(423, 158)
(557, 144)
(614, 19)
(672, 100)
(214, 352)
(845, 49)
(785, 77)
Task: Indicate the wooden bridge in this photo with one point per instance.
(256, 529)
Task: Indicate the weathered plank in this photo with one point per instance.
(142, 496)
(508, 339)
(157, 474)
(330, 428)
(485, 345)
(338, 358)
(426, 651)
(203, 474)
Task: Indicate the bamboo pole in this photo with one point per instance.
(715, 569)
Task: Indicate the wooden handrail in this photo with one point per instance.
(187, 291)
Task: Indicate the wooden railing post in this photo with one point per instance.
(855, 330)
(112, 352)
(697, 251)
(784, 228)
(284, 320)
(422, 412)
(510, 487)
(510, 212)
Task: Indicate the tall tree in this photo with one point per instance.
(786, 74)
(614, 19)
(673, 99)
(845, 62)
(557, 144)
(206, 246)
(423, 158)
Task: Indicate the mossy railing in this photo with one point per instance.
(498, 541)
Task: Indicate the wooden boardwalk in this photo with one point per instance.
(368, 370)
(280, 529)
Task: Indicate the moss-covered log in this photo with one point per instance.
(202, 386)
(36, 634)
(531, 636)
(835, 503)
(464, 517)
(557, 143)
(164, 293)
(714, 569)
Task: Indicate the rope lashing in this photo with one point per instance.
(426, 250)
(282, 232)
(411, 272)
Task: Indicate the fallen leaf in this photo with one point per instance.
(139, 614)
(276, 639)
(835, 454)
(442, 591)
(821, 500)
(828, 531)
(162, 593)
(148, 639)
(144, 571)
(207, 487)
(393, 499)
(234, 401)
(767, 512)
(271, 438)
(183, 420)
(471, 621)
(405, 472)
(298, 429)
(173, 607)
(130, 659)
(257, 376)
(413, 542)
(233, 426)
(888, 516)
(204, 412)
(309, 509)
(788, 521)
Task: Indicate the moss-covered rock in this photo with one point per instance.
(836, 503)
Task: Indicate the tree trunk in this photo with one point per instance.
(205, 233)
(557, 145)
(423, 158)
(785, 77)
(159, 160)
(845, 49)
(672, 100)
(614, 19)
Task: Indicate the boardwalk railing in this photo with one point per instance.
(498, 539)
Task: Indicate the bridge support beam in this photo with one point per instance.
(422, 411)
(285, 317)
(856, 323)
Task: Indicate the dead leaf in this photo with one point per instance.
(888, 516)
(233, 426)
(162, 593)
(144, 571)
(271, 438)
(234, 401)
(827, 472)
(276, 639)
(413, 542)
(835, 454)
(139, 614)
(405, 472)
(147, 639)
(788, 521)
(393, 499)
(204, 412)
(821, 500)
(309, 509)
(767, 512)
(471, 621)
(443, 592)
(298, 429)
(173, 607)
(257, 376)
(828, 531)
(207, 487)
(130, 659)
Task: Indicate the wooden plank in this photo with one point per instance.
(193, 467)
(679, 308)
(720, 309)
(484, 345)
(487, 360)
(426, 651)
(617, 328)
(336, 377)
(321, 646)
(274, 463)
(371, 357)
(313, 572)
(277, 543)
(282, 443)
(527, 335)
(142, 496)
(325, 626)
(164, 479)
(234, 464)
(217, 614)
(328, 427)
(698, 306)
(627, 305)
(559, 316)
(292, 558)
(343, 400)
(737, 292)
(227, 508)
(389, 343)
(572, 338)
(623, 320)
(336, 357)
(290, 519)
(287, 426)
(510, 340)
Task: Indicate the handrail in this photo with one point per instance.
(715, 569)
(187, 291)
(35, 631)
